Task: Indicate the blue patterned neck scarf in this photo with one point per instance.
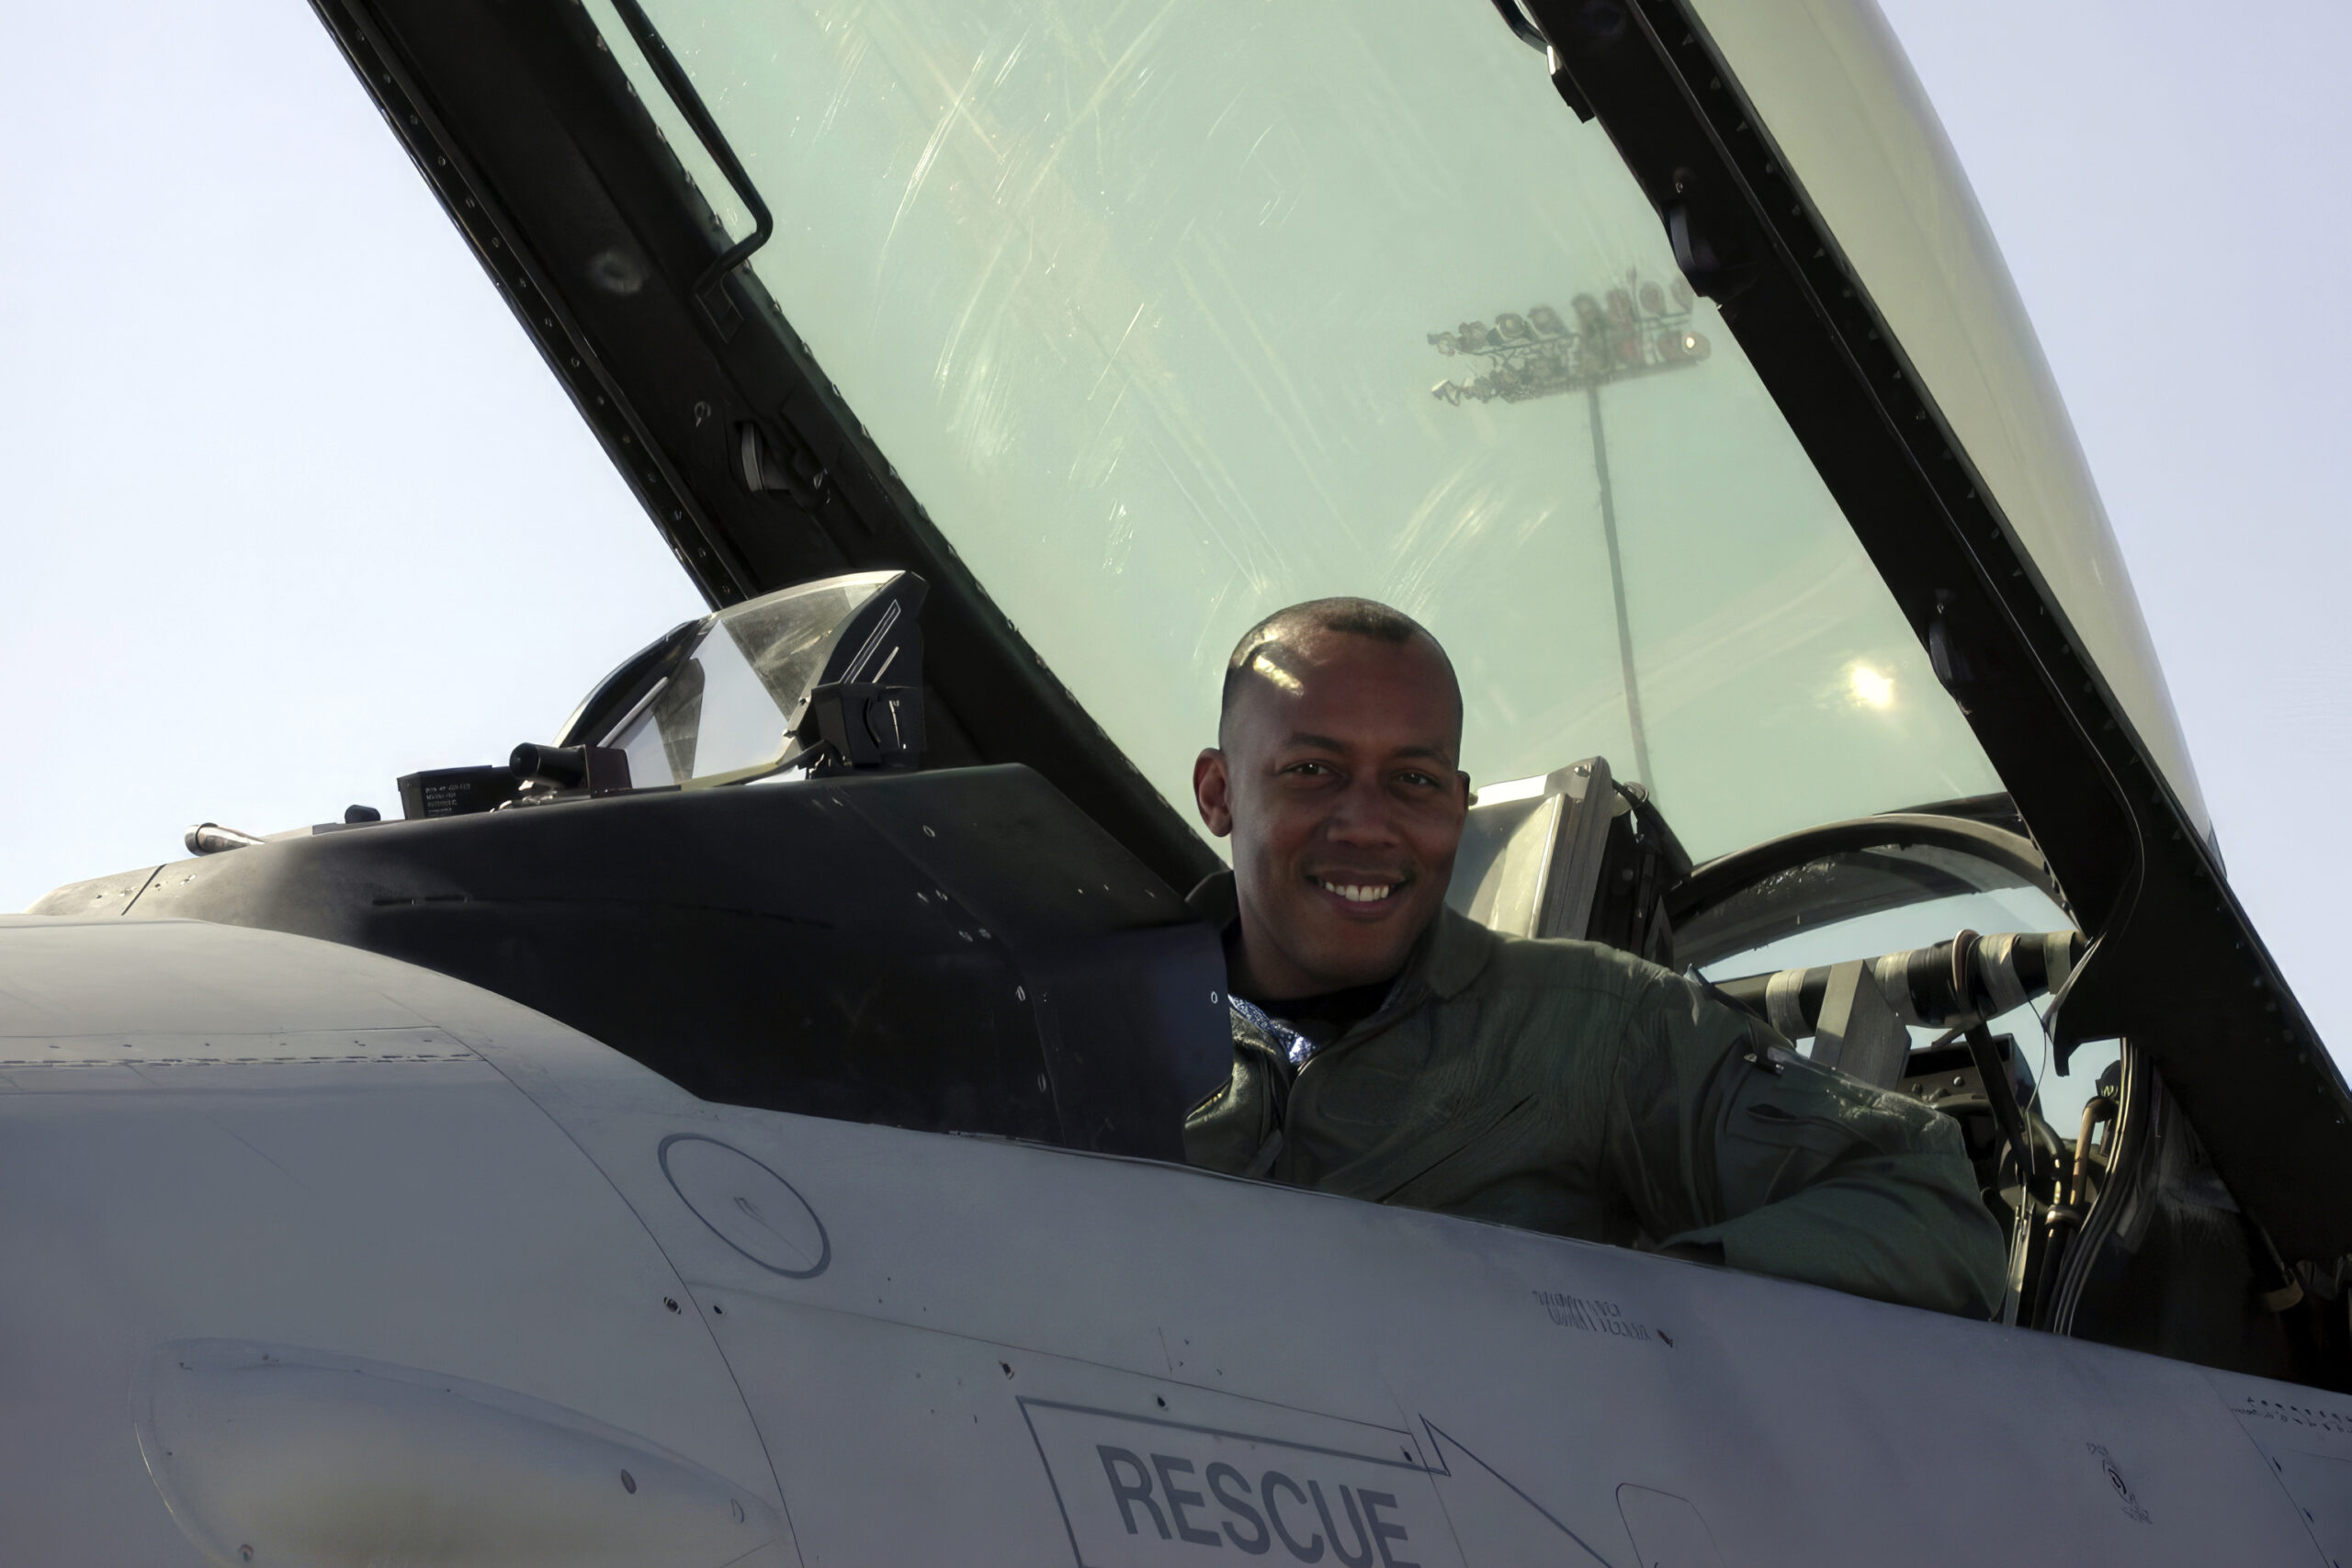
(1293, 1043)
(1288, 1041)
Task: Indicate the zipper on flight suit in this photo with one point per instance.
(1269, 1159)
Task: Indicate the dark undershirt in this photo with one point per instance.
(1333, 1012)
(1321, 1018)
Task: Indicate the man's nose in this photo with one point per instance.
(1362, 816)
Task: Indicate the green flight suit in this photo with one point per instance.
(1569, 1087)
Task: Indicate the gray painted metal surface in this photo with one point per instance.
(317, 1257)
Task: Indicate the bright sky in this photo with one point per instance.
(295, 508)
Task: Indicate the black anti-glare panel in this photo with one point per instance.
(960, 951)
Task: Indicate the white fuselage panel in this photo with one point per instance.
(279, 1209)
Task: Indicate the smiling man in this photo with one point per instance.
(1389, 1048)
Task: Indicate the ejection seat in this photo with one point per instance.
(1571, 853)
(1539, 858)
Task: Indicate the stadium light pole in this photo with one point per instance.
(1636, 328)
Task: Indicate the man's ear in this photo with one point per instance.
(1213, 792)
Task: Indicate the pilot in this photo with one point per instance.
(1390, 1048)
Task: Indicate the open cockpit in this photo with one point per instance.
(1928, 951)
(730, 865)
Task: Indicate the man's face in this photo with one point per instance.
(1338, 783)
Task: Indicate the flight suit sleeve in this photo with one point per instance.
(1720, 1136)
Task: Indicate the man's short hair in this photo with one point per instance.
(1356, 617)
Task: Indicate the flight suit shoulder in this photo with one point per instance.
(1560, 1016)
(1563, 965)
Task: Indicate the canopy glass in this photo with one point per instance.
(1173, 315)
